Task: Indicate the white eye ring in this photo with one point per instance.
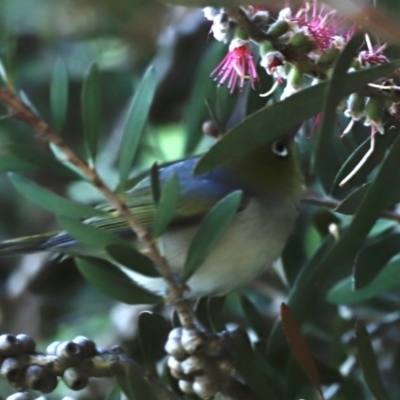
(279, 149)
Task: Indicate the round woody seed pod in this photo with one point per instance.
(37, 378)
(12, 369)
(185, 386)
(175, 368)
(27, 343)
(191, 340)
(9, 345)
(210, 128)
(213, 346)
(205, 387)
(69, 350)
(19, 396)
(175, 349)
(87, 345)
(52, 348)
(75, 378)
(193, 364)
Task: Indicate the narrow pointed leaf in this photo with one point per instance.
(153, 333)
(372, 259)
(50, 201)
(108, 279)
(388, 279)
(91, 109)
(59, 94)
(271, 122)
(368, 363)
(299, 347)
(89, 235)
(10, 162)
(166, 206)
(212, 228)
(332, 98)
(253, 317)
(134, 124)
(132, 259)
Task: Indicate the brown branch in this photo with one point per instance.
(22, 112)
(331, 203)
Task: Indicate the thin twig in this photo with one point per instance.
(19, 110)
(332, 203)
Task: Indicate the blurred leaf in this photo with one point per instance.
(108, 279)
(204, 88)
(91, 109)
(59, 94)
(115, 394)
(135, 122)
(37, 159)
(166, 207)
(155, 183)
(253, 316)
(368, 363)
(211, 229)
(214, 311)
(9, 162)
(50, 201)
(299, 347)
(309, 280)
(153, 333)
(132, 259)
(247, 366)
(280, 118)
(90, 235)
(386, 280)
(333, 96)
(371, 260)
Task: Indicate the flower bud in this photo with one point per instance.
(52, 348)
(75, 378)
(185, 386)
(329, 56)
(28, 345)
(174, 348)
(87, 345)
(355, 106)
(175, 368)
(278, 28)
(374, 109)
(302, 41)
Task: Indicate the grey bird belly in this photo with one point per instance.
(252, 243)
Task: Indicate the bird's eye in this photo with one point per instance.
(280, 149)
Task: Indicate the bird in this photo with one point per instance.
(271, 183)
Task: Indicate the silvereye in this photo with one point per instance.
(271, 183)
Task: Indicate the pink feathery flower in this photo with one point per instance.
(236, 66)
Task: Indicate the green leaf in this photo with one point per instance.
(34, 157)
(91, 109)
(115, 394)
(368, 363)
(333, 95)
(372, 259)
(155, 183)
(10, 162)
(196, 112)
(253, 316)
(50, 201)
(134, 124)
(211, 229)
(386, 280)
(312, 277)
(108, 279)
(299, 347)
(132, 259)
(153, 333)
(89, 235)
(166, 207)
(59, 94)
(272, 122)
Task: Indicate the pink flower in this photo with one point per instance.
(236, 66)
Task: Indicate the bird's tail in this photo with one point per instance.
(25, 245)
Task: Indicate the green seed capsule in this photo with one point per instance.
(355, 106)
(329, 56)
(301, 41)
(265, 47)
